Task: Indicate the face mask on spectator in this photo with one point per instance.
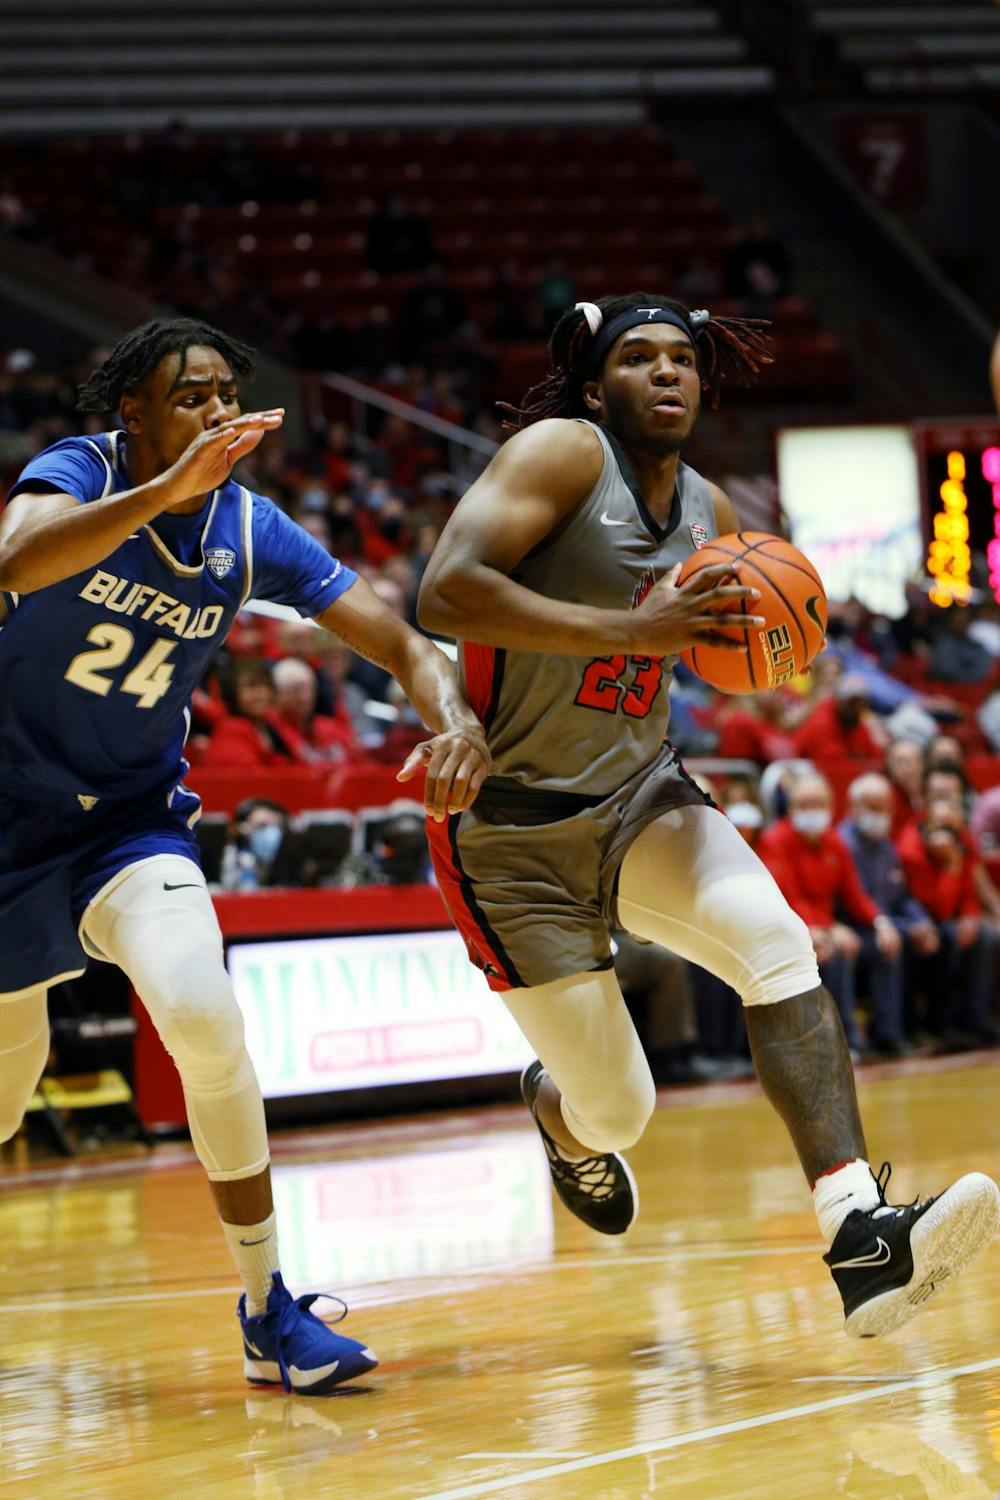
(265, 842)
(745, 814)
(873, 825)
(810, 820)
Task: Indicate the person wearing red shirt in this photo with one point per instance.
(752, 728)
(949, 780)
(904, 766)
(253, 736)
(838, 728)
(816, 874)
(940, 871)
(321, 737)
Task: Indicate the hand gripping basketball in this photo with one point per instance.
(790, 629)
(677, 614)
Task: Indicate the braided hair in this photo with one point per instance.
(727, 348)
(140, 351)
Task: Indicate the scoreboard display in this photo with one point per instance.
(960, 501)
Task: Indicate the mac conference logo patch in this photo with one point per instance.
(699, 534)
(221, 561)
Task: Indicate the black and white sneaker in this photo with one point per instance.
(888, 1262)
(600, 1190)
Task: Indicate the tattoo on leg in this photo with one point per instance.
(804, 1066)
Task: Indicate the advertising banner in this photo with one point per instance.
(324, 1014)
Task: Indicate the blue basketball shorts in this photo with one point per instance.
(54, 861)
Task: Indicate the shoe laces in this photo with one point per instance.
(593, 1175)
(885, 1207)
(288, 1317)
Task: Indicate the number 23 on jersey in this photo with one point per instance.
(603, 686)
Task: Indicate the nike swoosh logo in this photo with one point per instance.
(189, 885)
(257, 1353)
(314, 1376)
(607, 521)
(812, 611)
(880, 1256)
(261, 1241)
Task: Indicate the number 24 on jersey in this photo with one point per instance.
(147, 681)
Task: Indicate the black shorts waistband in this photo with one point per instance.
(505, 792)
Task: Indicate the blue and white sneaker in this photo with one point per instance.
(290, 1346)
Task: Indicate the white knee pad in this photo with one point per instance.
(784, 963)
(24, 1049)
(157, 922)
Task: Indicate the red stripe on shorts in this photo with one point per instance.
(478, 663)
(482, 944)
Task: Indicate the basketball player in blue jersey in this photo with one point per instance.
(124, 559)
(558, 574)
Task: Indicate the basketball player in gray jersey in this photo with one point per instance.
(558, 575)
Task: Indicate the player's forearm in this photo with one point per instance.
(68, 541)
(476, 603)
(430, 682)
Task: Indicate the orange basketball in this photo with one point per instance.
(792, 601)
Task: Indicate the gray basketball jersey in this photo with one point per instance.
(566, 723)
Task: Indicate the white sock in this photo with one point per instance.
(254, 1248)
(839, 1192)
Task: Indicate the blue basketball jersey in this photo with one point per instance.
(97, 672)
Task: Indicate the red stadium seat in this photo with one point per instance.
(616, 205)
(368, 784)
(295, 788)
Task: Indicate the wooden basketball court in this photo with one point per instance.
(522, 1356)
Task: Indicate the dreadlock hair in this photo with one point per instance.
(728, 348)
(140, 351)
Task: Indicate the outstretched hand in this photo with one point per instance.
(457, 764)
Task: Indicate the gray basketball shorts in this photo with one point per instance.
(530, 877)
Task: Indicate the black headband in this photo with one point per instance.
(635, 318)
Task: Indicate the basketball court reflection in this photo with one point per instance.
(427, 1213)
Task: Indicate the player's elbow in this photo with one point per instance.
(432, 608)
(452, 593)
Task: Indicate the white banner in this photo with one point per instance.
(324, 1014)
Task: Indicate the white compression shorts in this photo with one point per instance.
(692, 884)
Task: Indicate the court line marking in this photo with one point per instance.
(842, 1379)
(521, 1455)
(708, 1434)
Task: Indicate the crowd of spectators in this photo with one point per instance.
(896, 892)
